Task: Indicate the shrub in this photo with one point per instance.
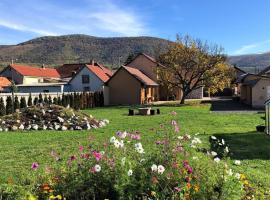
(55, 101)
(46, 100)
(23, 102)
(30, 101)
(2, 107)
(40, 98)
(50, 100)
(9, 105)
(36, 101)
(16, 103)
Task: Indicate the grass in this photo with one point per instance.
(19, 150)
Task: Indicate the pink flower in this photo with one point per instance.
(176, 129)
(97, 155)
(177, 189)
(174, 123)
(34, 166)
(81, 148)
(173, 113)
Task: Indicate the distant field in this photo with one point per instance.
(19, 150)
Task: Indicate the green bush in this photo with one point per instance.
(16, 103)
(9, 105)
(2, 107)
(23, 102)
(30, 101)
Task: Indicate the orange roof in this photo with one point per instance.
(4, 82)
(99, 72)
(140, 76)
(35, 71)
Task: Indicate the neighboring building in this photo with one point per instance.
(149, 66)
(22, 74)
(4, 84)
(90, 78)
(43, 88)
(130, 86)
(254, 89)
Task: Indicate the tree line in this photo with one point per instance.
(74, 100)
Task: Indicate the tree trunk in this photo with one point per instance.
(183, 98)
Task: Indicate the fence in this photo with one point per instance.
(267, 117)
(86, 99)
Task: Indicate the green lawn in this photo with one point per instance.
(19, 150)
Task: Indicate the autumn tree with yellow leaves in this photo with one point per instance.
(190, 64)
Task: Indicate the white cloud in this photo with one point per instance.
(92, 17)
(247, 48)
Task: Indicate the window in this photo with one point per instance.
(85, 79)
(46, 91)
(85, 89)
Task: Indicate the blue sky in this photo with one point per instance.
(240, 26)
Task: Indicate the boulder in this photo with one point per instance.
(34, 126)
(21, 127)
(14, 128)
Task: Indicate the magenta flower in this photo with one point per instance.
(176, 129)
(173, 113)
(174, 123)
(97, 155)
(81, 148)
(34, 166)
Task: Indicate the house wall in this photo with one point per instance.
(11, 74)
(31, 80)
(40, 89)
(259, 93)
(95, 84)
(124, 89)
(145, 65)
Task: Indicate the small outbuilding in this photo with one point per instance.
(129, 86)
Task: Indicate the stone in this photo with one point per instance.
(43, 112)
(3, 122)
(78, 128)
(34, 126)
(34, 116)
(21, 127)
(14, 128)
(44, 127)
(1, 129)
(64, 128)
(57, 126)
(28, 127)
(60, 119)
(50, 128)
(6, 129)
(87, 126)
(71, 128)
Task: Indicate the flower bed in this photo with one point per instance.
(126, 166)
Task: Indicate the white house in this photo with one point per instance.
(90, 78)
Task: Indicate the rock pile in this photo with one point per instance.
(49, 117)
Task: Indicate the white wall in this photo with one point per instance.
(95, 84)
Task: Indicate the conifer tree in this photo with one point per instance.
(59, 101)
(46, 100)
(2, 107)
(9, 106)
(71, 100)
(35, 101)
(16, 103)
(40, 98)
(55, 101)
(50, 100)
(23, 102)
(30, 101)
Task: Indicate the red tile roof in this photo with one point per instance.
(34, 71)
(140, 76)
(99, 72)
(4, 82)
(68, 70)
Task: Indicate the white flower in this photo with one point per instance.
(230, 172)
(237, 162)
(213, 153)
(213, 137)
(121, 143)
(154, 168)
(123, 161)
(188, 136)
(226, 149)
(197, 133)
(97, 168)
(237, 175)
(112, 140)
(139, 148)
(130, 172)
(138, 145)
(217, 159)
(180, 137)
(116, 143)
(123, 135)
(194, 157)
(196, 141)
(160, 169)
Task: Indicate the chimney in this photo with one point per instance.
(43, 66)
(92, 62)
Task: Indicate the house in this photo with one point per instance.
(22, 74)
(149, 66)
(254, 89)
(130, 86)
(4, 84)
(90, 77)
